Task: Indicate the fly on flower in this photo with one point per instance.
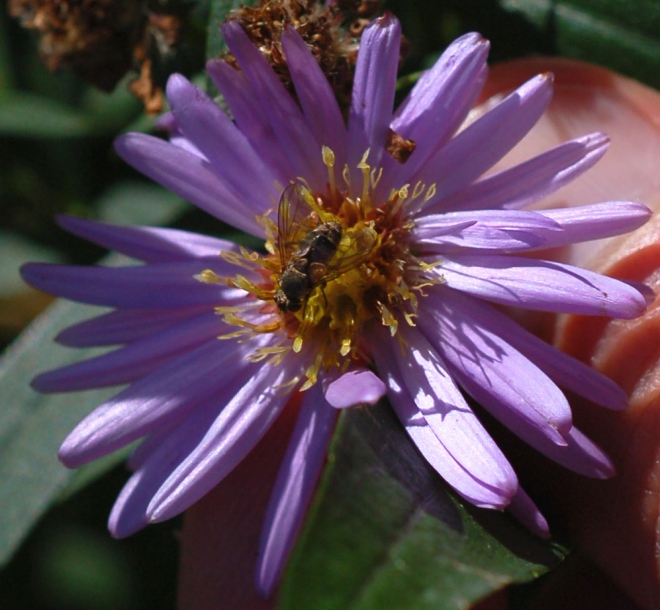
(313, 246)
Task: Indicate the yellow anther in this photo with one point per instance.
(208, 277)
(376, 175)
(365, 168)
(418, 190)
(345, 347)
(329, 161)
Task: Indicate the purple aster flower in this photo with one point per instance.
(381, 277)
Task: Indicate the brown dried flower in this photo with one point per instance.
(102, 40)
(92, 38)
(331, 31)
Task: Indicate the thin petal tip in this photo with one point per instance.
(68, 456)
(176, 84)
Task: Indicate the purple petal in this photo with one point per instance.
(581, 455)
(295, 139)
(130, 363)
(151, 443)
(164, 285)
(157, 400)
(523, 509)
(124, 326)
(316, 98)
(157, 457)
(358, 386)
(294, 486)
(227, 149)
(482, 144)
(373, 89)
(477, 363)
(187, 175)
(129, 513)
(530, 181)
(239, 427)
(438, 104)
(491, 370)
(167, 122)
(147, 244)
(541, 285)
(443, 426)
(503, 230)
(596, 221)
(250, 118)
(563, 369)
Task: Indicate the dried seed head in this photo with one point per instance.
(92, 38)
(102, 40)
(331, 31)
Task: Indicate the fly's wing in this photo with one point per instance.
(295, 219)
(353, 250)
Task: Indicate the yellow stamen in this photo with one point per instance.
(208, 277)
(366, 178)
(329, 161)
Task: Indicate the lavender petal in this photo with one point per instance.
(444, 428)
(250, 117)
(530, 181)
(161, 285)
(148, 244)
(502, 230)
(294, 486)
(153, 463)
(186, 175)
(491, 370)
(373, 90)
(315, 95)
(358, 386)
(165, 396)
(134, 361)
(295, 139)
(596, 221)
(202, 122)
(124, 326)
(235, 432)
(523, 509)
(438, 104)
(563, 369)
(482, 144)
(541, 285)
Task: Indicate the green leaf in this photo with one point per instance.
(618, 34)
(108, 113)
(29, 115)
(385, 533)
(19, 250)
(6, 77)
(139, 203)
(33, 425)
(220, 9)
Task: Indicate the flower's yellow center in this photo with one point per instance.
(336, 264)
